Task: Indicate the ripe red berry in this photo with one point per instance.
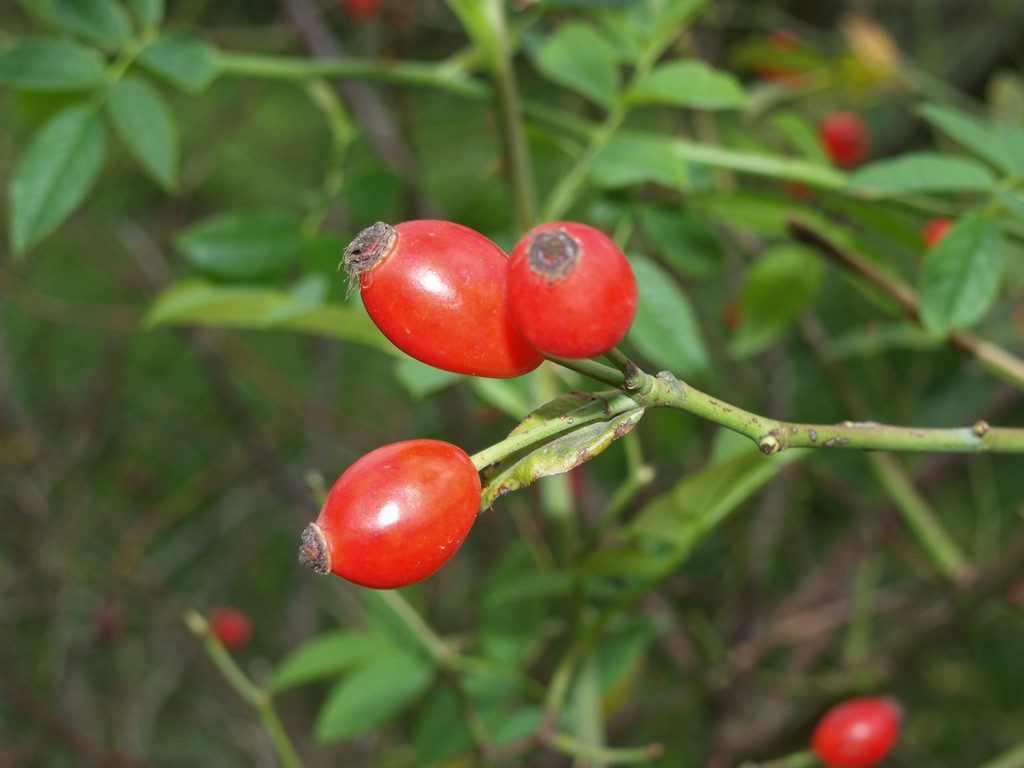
(361, 10)
(857, 733)
(396, 515)
(846, 137)
(436, 290)
(571, 291)
(231, 626)
(934, 230)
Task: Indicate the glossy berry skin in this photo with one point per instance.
(396, 515)
(934, 230)
(231, 626)
(857, 733)
(846, 137)
(571, 291)
(361, 10)
(436, 290)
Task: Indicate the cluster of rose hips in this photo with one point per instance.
(451, 298)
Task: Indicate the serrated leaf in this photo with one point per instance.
(682, 239)
(196, 302)
(186, 62)
(146, 126)
(579, 57)
(961, 275)
(688, 83)
(149, 13)
(921, 172)
(628, 160)
(55, 174)
(665, 328)
(51, 65)
(103, 22)
(559, 436)
(372, 695)
(242, 245)
(1000, 144)
(682, 516)
(328, 655)
(775, 290)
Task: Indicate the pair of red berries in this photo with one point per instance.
(449, 297)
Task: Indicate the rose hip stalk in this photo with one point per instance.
(437, 291)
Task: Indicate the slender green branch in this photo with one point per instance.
(995, 360)
(255, 696)
(772, 435)
(593, 753)
(590, 369)
(431, 641)
(441, 76)
(1012, 758)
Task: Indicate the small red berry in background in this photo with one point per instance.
(934, 230)
(782, 41)
(231, 626)
(857, 733)
(570, 290)
(361, 10)
(847, 138)
(396, 515)
(437, 291)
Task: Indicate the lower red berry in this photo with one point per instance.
(847, 138)
(231, 626)
(396, 515)
(857, 733)
(571, 292)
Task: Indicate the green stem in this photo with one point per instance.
(1012, 758)
(590, 369)
(431, 641)
(441, 76)
(920, 517)
(796, 760)
(256, 697)
(598, 755)
(486, 25)
(615, 404)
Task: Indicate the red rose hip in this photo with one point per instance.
(396, 515)
(231, 626)
(571, 291)
(846, 137)
(436, 290)
(857, 733)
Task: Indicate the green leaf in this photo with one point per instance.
(328, 655)
(242, 245)
(103, 22)
(682, 239)
(55, 174)
(628, 160)
(775, 290)
(579, 57)
(510, 635)
(800, 133)
(196, 302)
(921, 172)
(372, 695)
(665, 329)
(587, 424)
(960, 275)
(420, 379)
(682, 516)
(51, 65)
(188, 63)
(688, 83)
(149, 13)
(146, 126)
(1001, 144)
